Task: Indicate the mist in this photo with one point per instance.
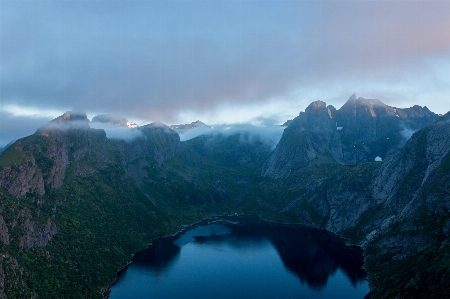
(407, 132)
(114, 132)
(270, 135)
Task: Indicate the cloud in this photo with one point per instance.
(407, 132)
(114, 132)
(157, 59)
(192, 133)
(13, 127)
(268, 135)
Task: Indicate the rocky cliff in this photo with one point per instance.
(360, 131)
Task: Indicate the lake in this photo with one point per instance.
(245, 258)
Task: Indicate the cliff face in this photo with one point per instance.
(370, 128)
(357, 133)
(309, 137)
(22, 179)
(413, 186)
(36, 234)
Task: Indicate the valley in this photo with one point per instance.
(77, 205)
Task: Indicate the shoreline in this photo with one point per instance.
(215, 219)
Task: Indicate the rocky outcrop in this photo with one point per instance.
(36, 234)
(58, 153)
(22, 179)
(310, 136)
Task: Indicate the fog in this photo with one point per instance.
(270, 135)
(155, 60)
(115, 132)
(407, 132)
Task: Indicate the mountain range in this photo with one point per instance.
(76, 205)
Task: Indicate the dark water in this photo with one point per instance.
(252, 259)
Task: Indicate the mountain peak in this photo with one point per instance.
(70, 119)
(71, 116)
(362, 106)
(198, 123)
(316, 105)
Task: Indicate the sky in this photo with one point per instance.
(223, 62)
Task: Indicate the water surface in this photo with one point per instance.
(249, 259)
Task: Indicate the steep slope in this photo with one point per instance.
(358, 132)
(398, 210)
(71, 215)
(312, 136)
(370, 128)
(409, 257)
(210, 171)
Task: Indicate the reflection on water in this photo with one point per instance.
(251, 259)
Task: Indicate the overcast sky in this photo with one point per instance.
(218, 61)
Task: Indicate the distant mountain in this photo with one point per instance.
(114, 120)
(185, 127)
(76, 204)
(360, 131)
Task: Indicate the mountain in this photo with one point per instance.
(185, 127)
(114, 120)
(370, 128)
(408, 250)
(357, 133)
(71, 214)
(75, 205)
(287, 123)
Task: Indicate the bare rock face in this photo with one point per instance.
(309, 135)
(59, 154)
(420, 156)
(22, 179)
(358, 132)
(347, 204)
(370, 128)
(36, 234)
